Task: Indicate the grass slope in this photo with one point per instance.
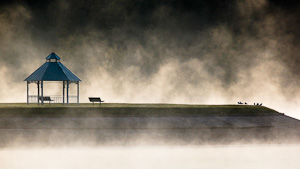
(120, 109)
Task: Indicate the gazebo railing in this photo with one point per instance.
(55, 98)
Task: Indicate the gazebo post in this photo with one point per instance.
(63, 92)
(42, 97)
(67, 92)
(27, 93)
(78, 92)
(38, 97)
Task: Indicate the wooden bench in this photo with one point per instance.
(96, 99)
(46, 98)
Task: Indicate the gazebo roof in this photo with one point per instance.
(52, 71)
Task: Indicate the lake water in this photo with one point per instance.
(153, 157)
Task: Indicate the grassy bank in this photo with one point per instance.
(116, 105)
(121, 109)
(129, 124)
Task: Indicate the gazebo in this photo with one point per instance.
(52, 70)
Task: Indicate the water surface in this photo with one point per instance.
(153, 157)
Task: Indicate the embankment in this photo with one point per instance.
(145, 124)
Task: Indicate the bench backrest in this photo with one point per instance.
(46, 98)
(95, 99)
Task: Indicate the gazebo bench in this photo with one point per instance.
(95, 99)
(47, 98)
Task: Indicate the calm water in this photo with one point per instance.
(154, 157)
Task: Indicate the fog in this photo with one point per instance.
(192, 52)
(189, 157)
(173, 51)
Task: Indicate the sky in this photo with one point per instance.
(148, 51)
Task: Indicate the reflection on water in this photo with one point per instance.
(153, 157)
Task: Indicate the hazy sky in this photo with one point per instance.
(172, 51)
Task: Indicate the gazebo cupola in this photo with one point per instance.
(53, 58)
(52, 70)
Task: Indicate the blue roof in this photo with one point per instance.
(52, 71)
(52, 56)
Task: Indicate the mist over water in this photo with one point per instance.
(149, 157)
(174, 51)
(190, 52)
